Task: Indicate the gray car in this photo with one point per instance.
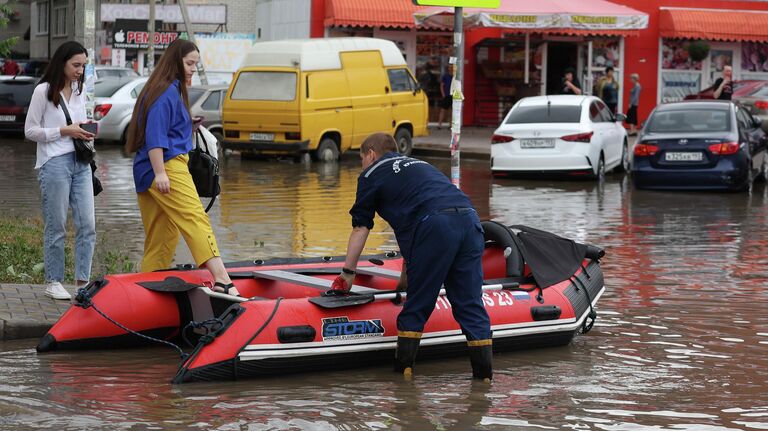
(115, 99)
(205, 101)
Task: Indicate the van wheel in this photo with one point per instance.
(327, 151)
(404, 142)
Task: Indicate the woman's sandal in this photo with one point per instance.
(220, 287)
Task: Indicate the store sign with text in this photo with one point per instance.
(133, 34)
(676, 85)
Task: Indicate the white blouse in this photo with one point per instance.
(44, 122)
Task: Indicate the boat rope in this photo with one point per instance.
(592, 316)
(212, 327)
(83, 299)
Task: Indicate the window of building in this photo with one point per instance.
(60, 20)
(42, 17)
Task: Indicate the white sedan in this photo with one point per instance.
(575, 135)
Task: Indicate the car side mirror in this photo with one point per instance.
(620, 117)
(417, 89)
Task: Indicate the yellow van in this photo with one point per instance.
(322, 96)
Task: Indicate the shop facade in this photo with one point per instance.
(733, 33)
(511, 54)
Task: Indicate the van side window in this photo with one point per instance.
(400, 80)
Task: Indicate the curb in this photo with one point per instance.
(439, 152)
(23, 328)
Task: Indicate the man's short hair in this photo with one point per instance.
(380, 143)
(609, 69)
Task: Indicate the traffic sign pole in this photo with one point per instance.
(457, 95)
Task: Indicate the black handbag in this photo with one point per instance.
(204, 169)
(84, 150)
(97, 187)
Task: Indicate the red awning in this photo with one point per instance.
(585, 17)
(714, 24)
(370, 13)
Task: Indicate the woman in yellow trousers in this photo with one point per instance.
(161, 135)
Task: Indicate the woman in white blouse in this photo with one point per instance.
(64, 181)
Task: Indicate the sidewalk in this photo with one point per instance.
(25, 311)
(475, 143)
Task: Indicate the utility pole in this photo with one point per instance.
(151, 44)
(85, 33)
(191, 36)
(457, 95)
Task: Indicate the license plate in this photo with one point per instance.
(7, 118)
(537, 143)
(262, 136)
(683, 157)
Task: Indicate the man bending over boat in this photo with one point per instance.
(440, 238)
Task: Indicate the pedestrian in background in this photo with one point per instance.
(634, 101)
(608, 90)
(724, 86)
(10, 67)
(446, 99)
(160, 133)
(441, 239)
(64, 181)
(571, 85)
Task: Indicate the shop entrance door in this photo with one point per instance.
(560, 57)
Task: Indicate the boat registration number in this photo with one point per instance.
(7, 118)
(537, 143)
(262, 136)
(683, 156)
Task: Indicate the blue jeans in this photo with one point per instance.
(66, 183)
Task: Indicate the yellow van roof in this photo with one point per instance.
(318, 54)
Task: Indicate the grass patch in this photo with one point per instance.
(21, 253)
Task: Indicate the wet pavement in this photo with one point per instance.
(679, 343)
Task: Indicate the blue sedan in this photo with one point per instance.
(700, 145)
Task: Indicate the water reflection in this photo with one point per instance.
(679, 344)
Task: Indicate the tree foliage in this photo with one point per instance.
(6, 12)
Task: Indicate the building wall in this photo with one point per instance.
(241, 16)
(642, 52)
(55, 35)
(282, 19)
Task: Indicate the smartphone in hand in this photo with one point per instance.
(90, 127)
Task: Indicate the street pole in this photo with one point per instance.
(191, 36)
(457, 96)
(85, 33)
(151, 44)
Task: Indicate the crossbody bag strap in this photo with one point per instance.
(66, 111)
(202, 138)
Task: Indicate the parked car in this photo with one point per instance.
(700, 145)
(114, 100)
(15, 95)
(573, 135)
(205, 101)
(322, 96)
(103, 72)
(756, 101)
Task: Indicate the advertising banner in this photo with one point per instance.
(133, 34)
(676, 85)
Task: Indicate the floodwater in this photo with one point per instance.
(680, 342)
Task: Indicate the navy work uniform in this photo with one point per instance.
(441, 240)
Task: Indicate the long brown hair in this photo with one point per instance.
(169, 68)
(54, 72)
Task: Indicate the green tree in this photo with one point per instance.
(5, 45)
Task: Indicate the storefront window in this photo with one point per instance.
(754, 60)
(605, 52)
(680, 75)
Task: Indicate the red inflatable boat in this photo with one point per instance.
(540, 291)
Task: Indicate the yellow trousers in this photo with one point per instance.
(165, 215)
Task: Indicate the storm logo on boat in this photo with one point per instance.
(341, 328)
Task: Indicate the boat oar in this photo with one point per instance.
(352, 299)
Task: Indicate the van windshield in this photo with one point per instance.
(265, 86)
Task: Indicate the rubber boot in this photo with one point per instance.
(481, 357)
(407, 348)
